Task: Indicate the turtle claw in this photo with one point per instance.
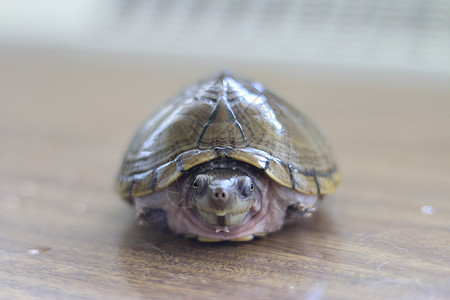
(243, 238)
(260, 234)
(207, 240)
(309, 212)
(203, 239)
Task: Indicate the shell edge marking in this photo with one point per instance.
(207, 124)
(180, 166)
(155, 179)
(317, 182)
(291, 177)
(233, 120)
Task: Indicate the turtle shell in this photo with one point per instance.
(227, 117)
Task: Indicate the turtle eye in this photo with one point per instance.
(195, 184)
(199, 183)
(246, 186)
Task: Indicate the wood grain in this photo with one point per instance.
(64, 233)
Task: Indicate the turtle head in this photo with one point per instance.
(224, 197)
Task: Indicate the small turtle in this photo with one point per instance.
(226, 160)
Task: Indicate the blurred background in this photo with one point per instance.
(407, 37)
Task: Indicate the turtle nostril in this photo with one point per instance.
(220, 196)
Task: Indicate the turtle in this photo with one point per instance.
(226, 159)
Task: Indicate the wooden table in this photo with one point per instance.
(65, 234)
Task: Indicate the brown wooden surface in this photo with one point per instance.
(65, 234)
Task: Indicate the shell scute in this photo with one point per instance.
(251, 156)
